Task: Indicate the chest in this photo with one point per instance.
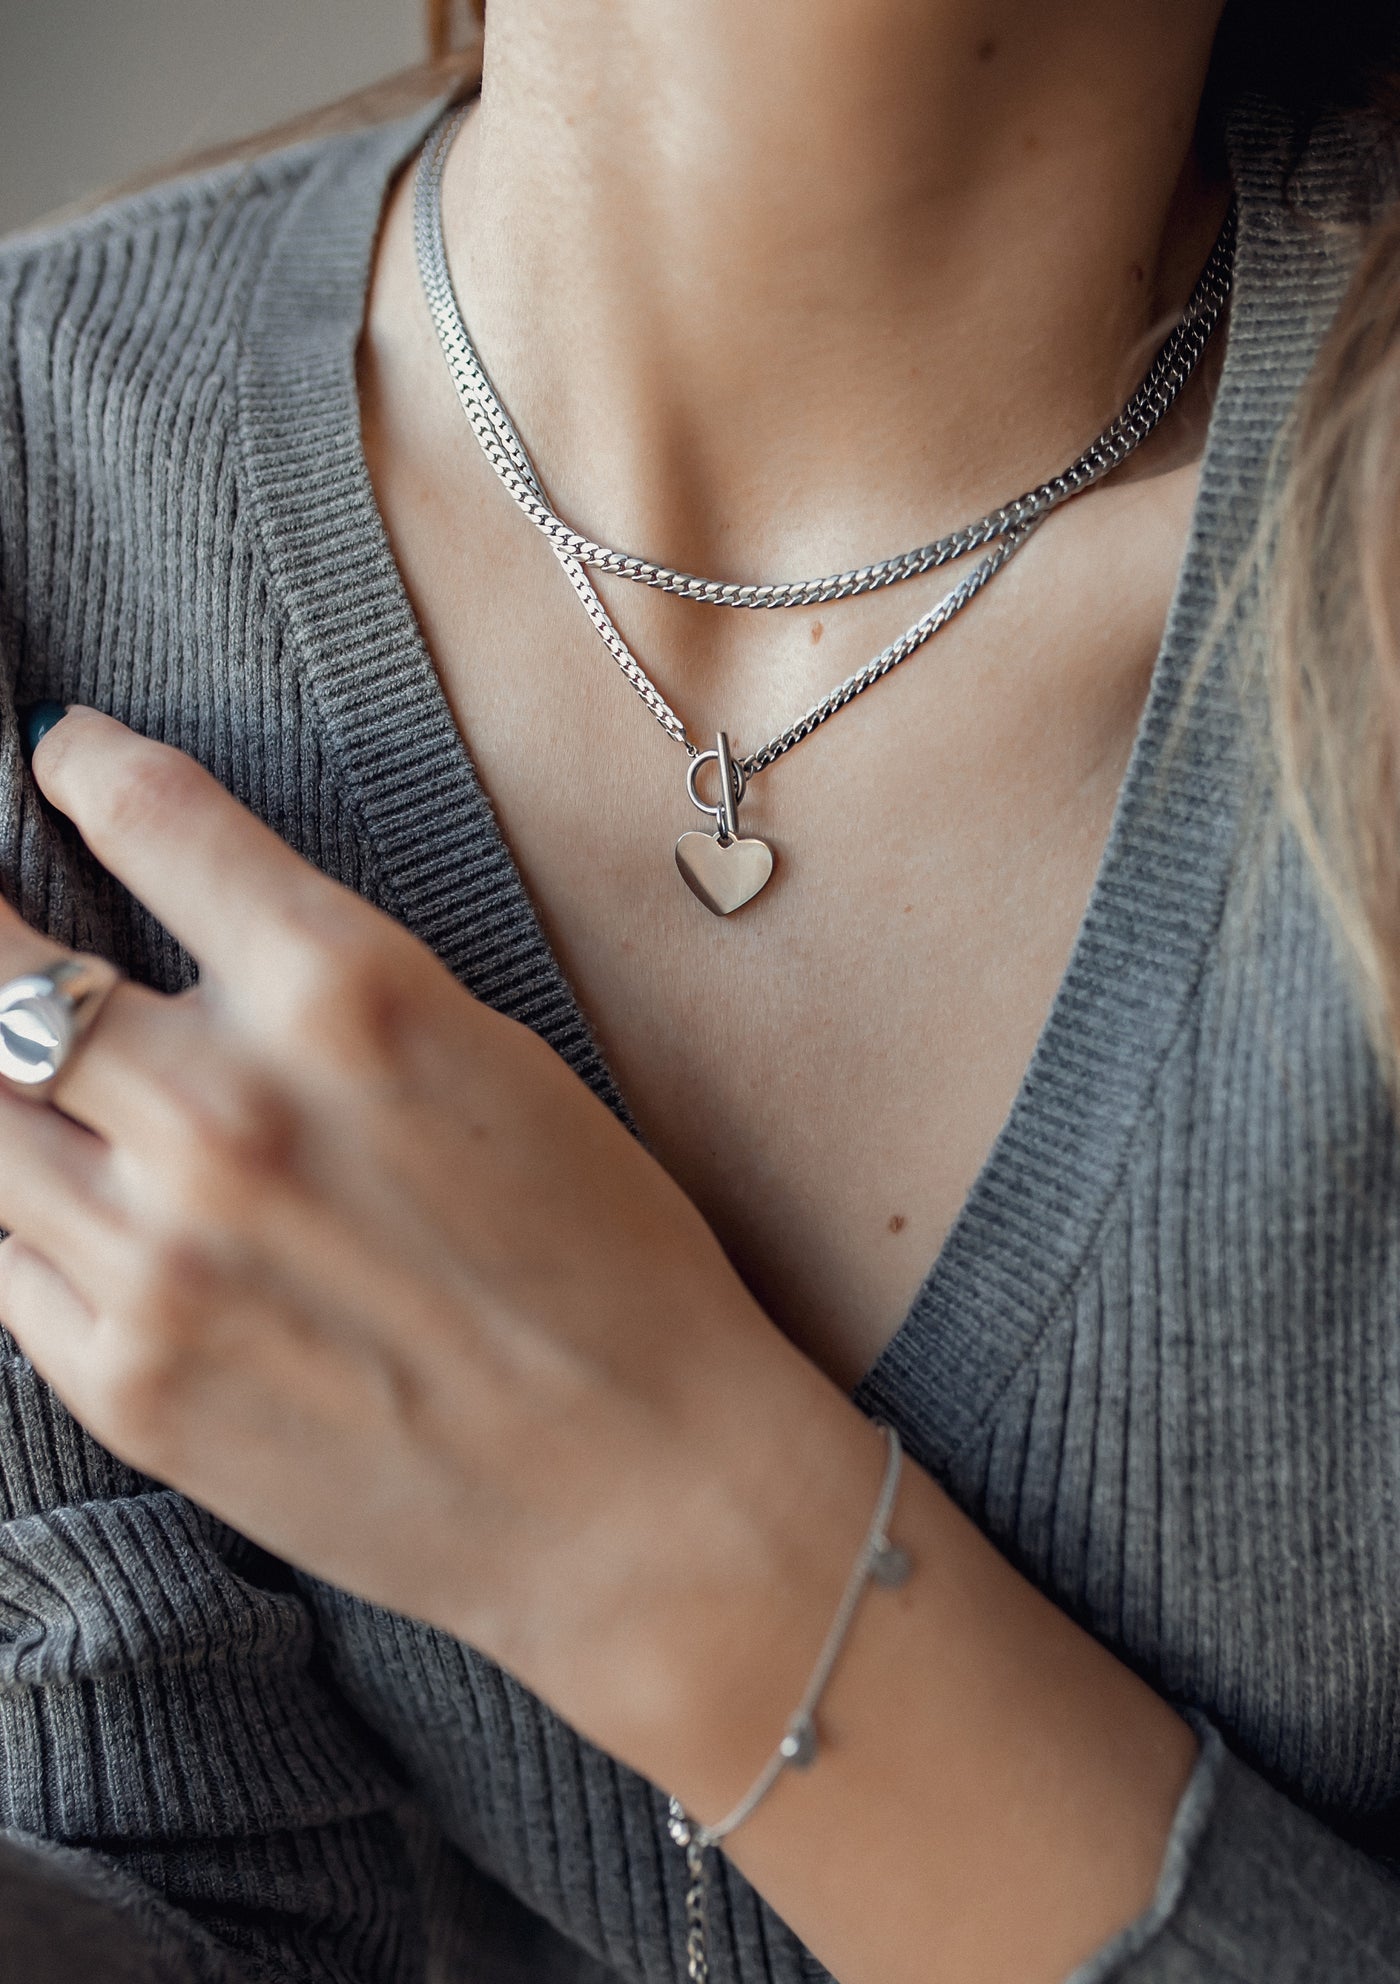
(825, 1071)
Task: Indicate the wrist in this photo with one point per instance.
(751, 1559)
(974, 1738)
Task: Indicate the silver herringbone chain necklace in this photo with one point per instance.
(724, 869)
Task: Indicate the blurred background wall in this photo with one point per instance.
(92, 91)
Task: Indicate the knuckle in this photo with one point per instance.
(164, 1287)
(250, 1131)
(214, 1149)
(217, 1168)
(345, 997)
(145, 792)
(239, 1126)
(151, 1343)
(139, 1390)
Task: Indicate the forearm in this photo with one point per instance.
(994, 1792)
(998, 1789)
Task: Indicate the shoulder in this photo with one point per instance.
(132, 287)
(125, 341)
(137, 260)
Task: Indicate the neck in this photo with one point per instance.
(748, 273)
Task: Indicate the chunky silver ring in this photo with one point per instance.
(45, 1014)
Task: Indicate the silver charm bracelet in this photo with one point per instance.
(879, 1562)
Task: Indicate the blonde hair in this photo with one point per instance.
(452, 26)
(1335, 626)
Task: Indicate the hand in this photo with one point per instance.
(362, 1266)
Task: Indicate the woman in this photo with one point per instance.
(551, 1444)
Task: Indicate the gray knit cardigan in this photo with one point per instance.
(1158, 1359)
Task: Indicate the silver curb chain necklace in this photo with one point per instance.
(723, 868)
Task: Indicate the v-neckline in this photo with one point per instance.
(1029, 1221)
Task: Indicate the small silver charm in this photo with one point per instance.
(722, 869)
(799, 1746)
(889, 1564)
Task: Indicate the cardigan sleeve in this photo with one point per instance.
(177, 1783)
(1254, 1890)
(66, 1916)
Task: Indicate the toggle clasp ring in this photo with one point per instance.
(726, 814)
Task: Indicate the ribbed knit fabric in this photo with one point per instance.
(1159, 1358)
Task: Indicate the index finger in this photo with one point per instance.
(217, 877)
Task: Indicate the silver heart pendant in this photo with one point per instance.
(724, 874)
